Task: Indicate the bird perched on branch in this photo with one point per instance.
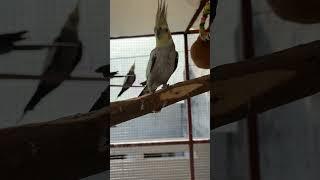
(128, 81)
(164, 58)
(62, 60)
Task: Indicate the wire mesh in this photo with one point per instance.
(200, 105)
(155, 161)
(171, 121)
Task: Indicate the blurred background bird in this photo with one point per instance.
(61, 60)
(8, 40)
(103, 100)
(105, 71)
(8, 43)
(128, 81)
(164, 58)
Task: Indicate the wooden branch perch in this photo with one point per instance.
(66, 149)
(122, 111)
(75, 146)
(264, 82)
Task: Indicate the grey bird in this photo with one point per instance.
(129, 80)
(8, 43)
(164, 58)
(61, 60)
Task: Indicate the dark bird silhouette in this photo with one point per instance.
(129, 80)
(8, 40)
(102, 101)
(61, 60)
(104, 97)
(105, 71)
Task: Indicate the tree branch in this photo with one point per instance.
(122, 111)
(75, 146)
(70, 148)
(264, 82)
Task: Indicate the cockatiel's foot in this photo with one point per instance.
(165, 86)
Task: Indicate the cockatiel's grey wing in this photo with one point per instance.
(151, 63)
(176, 61)
(152, 60)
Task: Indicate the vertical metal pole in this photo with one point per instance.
(252, 127)
(189, 109)
(253, 143)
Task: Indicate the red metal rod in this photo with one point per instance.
(196, 15)
(253, 145)
(189, 109)
(252, 127)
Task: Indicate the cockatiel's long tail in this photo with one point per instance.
(62, 60)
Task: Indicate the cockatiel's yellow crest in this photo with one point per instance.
(161, 28)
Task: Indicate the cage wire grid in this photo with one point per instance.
(159, 145)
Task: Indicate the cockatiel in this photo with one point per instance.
(164, 58)
(128, 81)
(62, 60)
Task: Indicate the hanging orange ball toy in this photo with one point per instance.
(200, 49)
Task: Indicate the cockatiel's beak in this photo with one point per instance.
(157, 32)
